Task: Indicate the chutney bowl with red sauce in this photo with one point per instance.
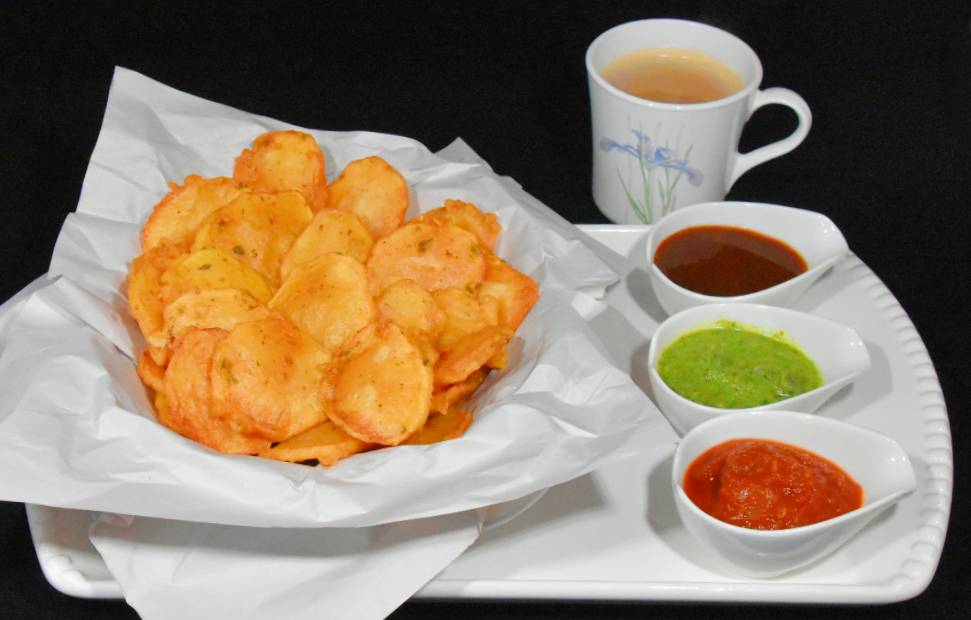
(877, 463)
(811, 235)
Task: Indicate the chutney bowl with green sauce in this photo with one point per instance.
(835, 351)
(812, 235)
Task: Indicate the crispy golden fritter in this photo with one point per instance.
(285, 160)
(372, 190)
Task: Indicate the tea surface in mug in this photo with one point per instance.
(672, 75)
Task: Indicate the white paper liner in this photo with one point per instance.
(173, 569)
(76, 429)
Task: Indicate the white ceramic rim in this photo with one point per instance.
(744, 92)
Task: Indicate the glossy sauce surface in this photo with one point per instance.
(725, 261)
(768, 485)
(730, 366)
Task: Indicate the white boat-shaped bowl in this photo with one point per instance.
(811, 234)
(837, 350)
(876, 462)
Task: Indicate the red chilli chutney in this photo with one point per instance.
(769, 485)
(724, 261)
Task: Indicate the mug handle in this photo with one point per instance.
(780, 96)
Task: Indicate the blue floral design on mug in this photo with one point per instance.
(659, 167)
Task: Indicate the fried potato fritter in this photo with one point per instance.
(328, 298)
(384, 388)
(412, 308)
(179, 214)
(465, 215)
(222, 308)
(145, 285)
(451, 425)
(330, 231)
(257, 229)
(188, 397)
(435, 256)
(372, 190)
(285, 160)
(325, 443)
(211, 269)
(266, 377)
(515, 292)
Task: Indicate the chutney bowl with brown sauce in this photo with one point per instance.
(811, 236)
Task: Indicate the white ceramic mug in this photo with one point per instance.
(650, 158)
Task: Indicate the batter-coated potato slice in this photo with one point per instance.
(452, 425)
(145, 283)
(467, 216)
(330, 231)
(500, 359)
(447, 397)
(182, 211)
(435, 256)
(490, 308)
(150, 373)
(463, 316)
(266, 378)
(159, 355)
(469, 354)
(328, 298)
(211, 269)
(515, 292)
(326, 443)
(222, 308)
(187, 398)
(372, 190)
(285, 160)
(384, 387)
(412, 308)
(258, 229)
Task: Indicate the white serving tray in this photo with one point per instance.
(615, 534)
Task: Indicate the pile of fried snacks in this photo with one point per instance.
(306, 322)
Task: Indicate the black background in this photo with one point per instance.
(887, 159)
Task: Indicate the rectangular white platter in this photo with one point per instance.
(615, 534)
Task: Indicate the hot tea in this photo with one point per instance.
(672, 75)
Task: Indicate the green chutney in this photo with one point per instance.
(733, 367)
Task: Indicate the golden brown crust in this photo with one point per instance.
(330, 231)
(145, 284)
(372, 190)
(469, 354)
(285, 160)
(447, 397)
(412, 308)
(384, 387)
(451, 425)
(266, 378)
(467, 216)
(435, 256)
(180, 213)
(328, 298)
(327, 444)
(257, 229)
(188, 397)
(515, 292)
